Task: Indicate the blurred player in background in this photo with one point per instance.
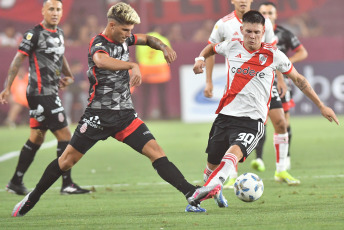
(110, 112)
(44, 45)
(155, 74)
(17, 99)
(244, 106)
(285, 41)
(228, 28)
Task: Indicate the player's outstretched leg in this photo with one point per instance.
(50, 176)
(219, 198)
(68, 186)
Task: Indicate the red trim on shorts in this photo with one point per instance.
(288, 105)
(129, 130)
(34, 123)
(39, 78)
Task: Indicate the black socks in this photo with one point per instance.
(171, 174)
(26, 157)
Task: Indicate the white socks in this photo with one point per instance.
(281, 144)
(226, 168)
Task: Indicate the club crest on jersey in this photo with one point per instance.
(263, 58)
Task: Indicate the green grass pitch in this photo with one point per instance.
(130, 195)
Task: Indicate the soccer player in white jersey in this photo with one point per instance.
(244, 106)
(228, 28)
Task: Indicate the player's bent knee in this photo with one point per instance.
(152, 150)
(69, 158)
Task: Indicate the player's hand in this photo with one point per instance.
(65, 82)
(208, 90)
(135, 77)
(4, 96)
(198, 67)
(169, 54)
(328, 113)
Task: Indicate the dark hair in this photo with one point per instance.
(268, 4)
(253, 16)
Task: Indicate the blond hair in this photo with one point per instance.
(123, 13)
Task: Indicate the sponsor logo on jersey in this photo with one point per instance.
(238, 56)
(236, 33)
(247, 71)
(263, 58)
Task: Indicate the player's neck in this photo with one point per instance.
(239, 14)
(49, 26)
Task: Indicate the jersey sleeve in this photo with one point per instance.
(223, 47)
(283, 63)
(269, 32)
(98, 45)
(294, 41)
(216, 34)
(131, 40)
(28, 43)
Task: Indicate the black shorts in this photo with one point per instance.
(126, 127)
(227, 131)
(276, 102)
(287, 100)
(46, 112)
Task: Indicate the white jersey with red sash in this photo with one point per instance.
(250, 78)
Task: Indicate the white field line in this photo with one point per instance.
(165, 183)
(10, 155)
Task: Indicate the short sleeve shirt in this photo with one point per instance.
(109, 90)
(286, 40)
(45, 49)
(250, 78)
(228, 28)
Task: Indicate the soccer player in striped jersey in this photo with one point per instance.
(244, 106)
(44, 46)
(286, 41)
(110, 112)
(228, 28)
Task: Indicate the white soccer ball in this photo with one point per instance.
(248, 187)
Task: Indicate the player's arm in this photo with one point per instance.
(155, 43)
(68, 79)
(209, 66)
(200, 61)
(302, 83)
(281, 85)
(12, 73)
(104, 61)
(299, 55)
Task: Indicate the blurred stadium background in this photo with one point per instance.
(318, 24)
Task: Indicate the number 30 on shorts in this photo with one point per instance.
(246, 138)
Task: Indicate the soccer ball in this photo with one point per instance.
(248, 187)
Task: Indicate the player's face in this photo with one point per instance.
(269, 12)
(120, 32)
(52, 12)
(253, 33)
(242, 5)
